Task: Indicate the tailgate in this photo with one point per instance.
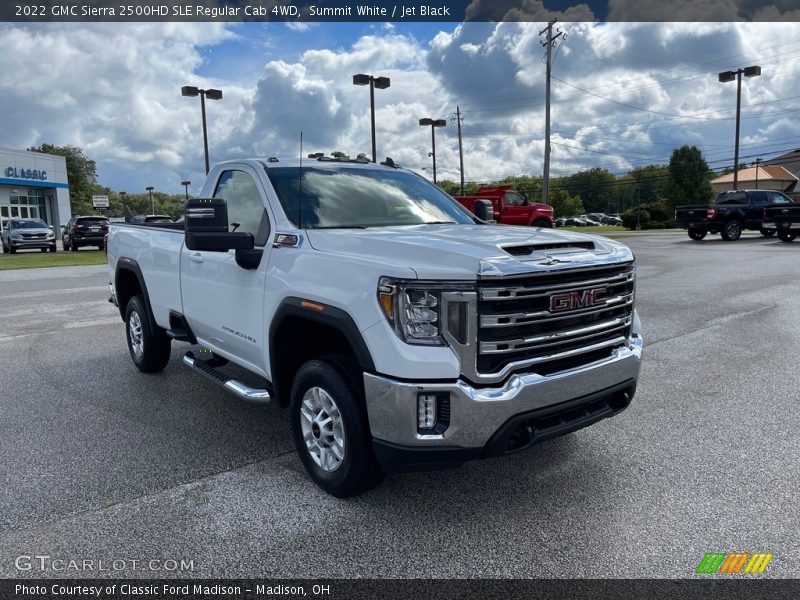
(691, 213)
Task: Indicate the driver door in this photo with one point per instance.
(223, 302)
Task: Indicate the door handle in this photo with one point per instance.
(196, 257)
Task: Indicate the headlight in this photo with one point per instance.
(415, 309)
(16, 236)
(51, 235)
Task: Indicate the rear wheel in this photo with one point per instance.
(732, 231)
(767, 232)
(149, 345)
(786, 236)
(330, 427)
(697, 234)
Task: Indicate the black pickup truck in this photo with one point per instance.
(785, 220)
(731, 213)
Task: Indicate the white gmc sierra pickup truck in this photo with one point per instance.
(401, 331)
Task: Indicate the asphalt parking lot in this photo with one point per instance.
(98, 461)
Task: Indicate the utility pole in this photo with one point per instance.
(548, 43)
(458, 118)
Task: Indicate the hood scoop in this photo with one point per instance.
(528, 249)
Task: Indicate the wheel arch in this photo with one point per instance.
(331, 329)
(128, 282)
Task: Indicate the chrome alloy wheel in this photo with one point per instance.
(135, 333)
(323, 429)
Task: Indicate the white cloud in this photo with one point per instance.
(115, 91)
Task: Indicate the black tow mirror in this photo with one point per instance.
(484, 210)
(206, 227)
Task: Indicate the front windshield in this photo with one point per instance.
(31, 224)
(345, 197)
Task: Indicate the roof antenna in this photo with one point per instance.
(300, 187)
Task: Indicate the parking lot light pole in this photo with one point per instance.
(152, 204)
(725, 77)
(186, 185)
(211, 94)
(374, 82)
(434, 123)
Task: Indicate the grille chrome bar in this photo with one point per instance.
(517, 292)
(552, 339)
(516, 319)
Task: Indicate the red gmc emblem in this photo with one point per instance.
(575, 300)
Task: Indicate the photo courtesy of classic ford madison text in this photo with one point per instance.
(494, 302)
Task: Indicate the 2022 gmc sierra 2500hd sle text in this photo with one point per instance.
(402, 331)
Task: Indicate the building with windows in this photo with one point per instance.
(33, 186)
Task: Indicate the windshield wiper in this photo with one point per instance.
(439, 223)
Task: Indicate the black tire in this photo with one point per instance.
(697, 234)
(786, 236)
(53, 249)
(154, 353)
(42, 249)
(357, 470)
(12, 250)
(73, 246)
(767, 232)
(731, 231)
(541, 223)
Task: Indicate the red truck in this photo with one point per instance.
(510, 207)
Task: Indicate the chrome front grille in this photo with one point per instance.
(518, 326)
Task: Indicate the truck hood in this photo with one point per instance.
(469, 251)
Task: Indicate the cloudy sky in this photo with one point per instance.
(624, 94)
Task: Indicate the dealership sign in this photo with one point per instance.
(16, 173)
(100, 201)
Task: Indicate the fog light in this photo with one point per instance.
(426, 411)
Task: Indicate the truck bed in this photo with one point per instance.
(157, 245)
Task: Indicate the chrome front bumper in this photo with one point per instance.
(477, 413)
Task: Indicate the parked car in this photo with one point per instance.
(140, 219)
(610, 220)
(510, 207)
(84, 231)
(732, 212)
(378, 311)
(28, 234)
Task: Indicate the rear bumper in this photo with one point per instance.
(782, 225)
(700, 223)
(93, 239)
(486, 422)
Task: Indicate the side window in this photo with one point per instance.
(245, 207)
(758, 198)
(778, 198)
(514, 199)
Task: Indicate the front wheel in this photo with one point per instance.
(786, 236)
(73, 246)
(541, 223)
(767, 232)
(330, 427)
(732, 231)
(149, 345)
(697, 234)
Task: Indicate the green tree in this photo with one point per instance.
(81, 174)
(597, 188)
(338, 154)
(563, 204)
(689, 178)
